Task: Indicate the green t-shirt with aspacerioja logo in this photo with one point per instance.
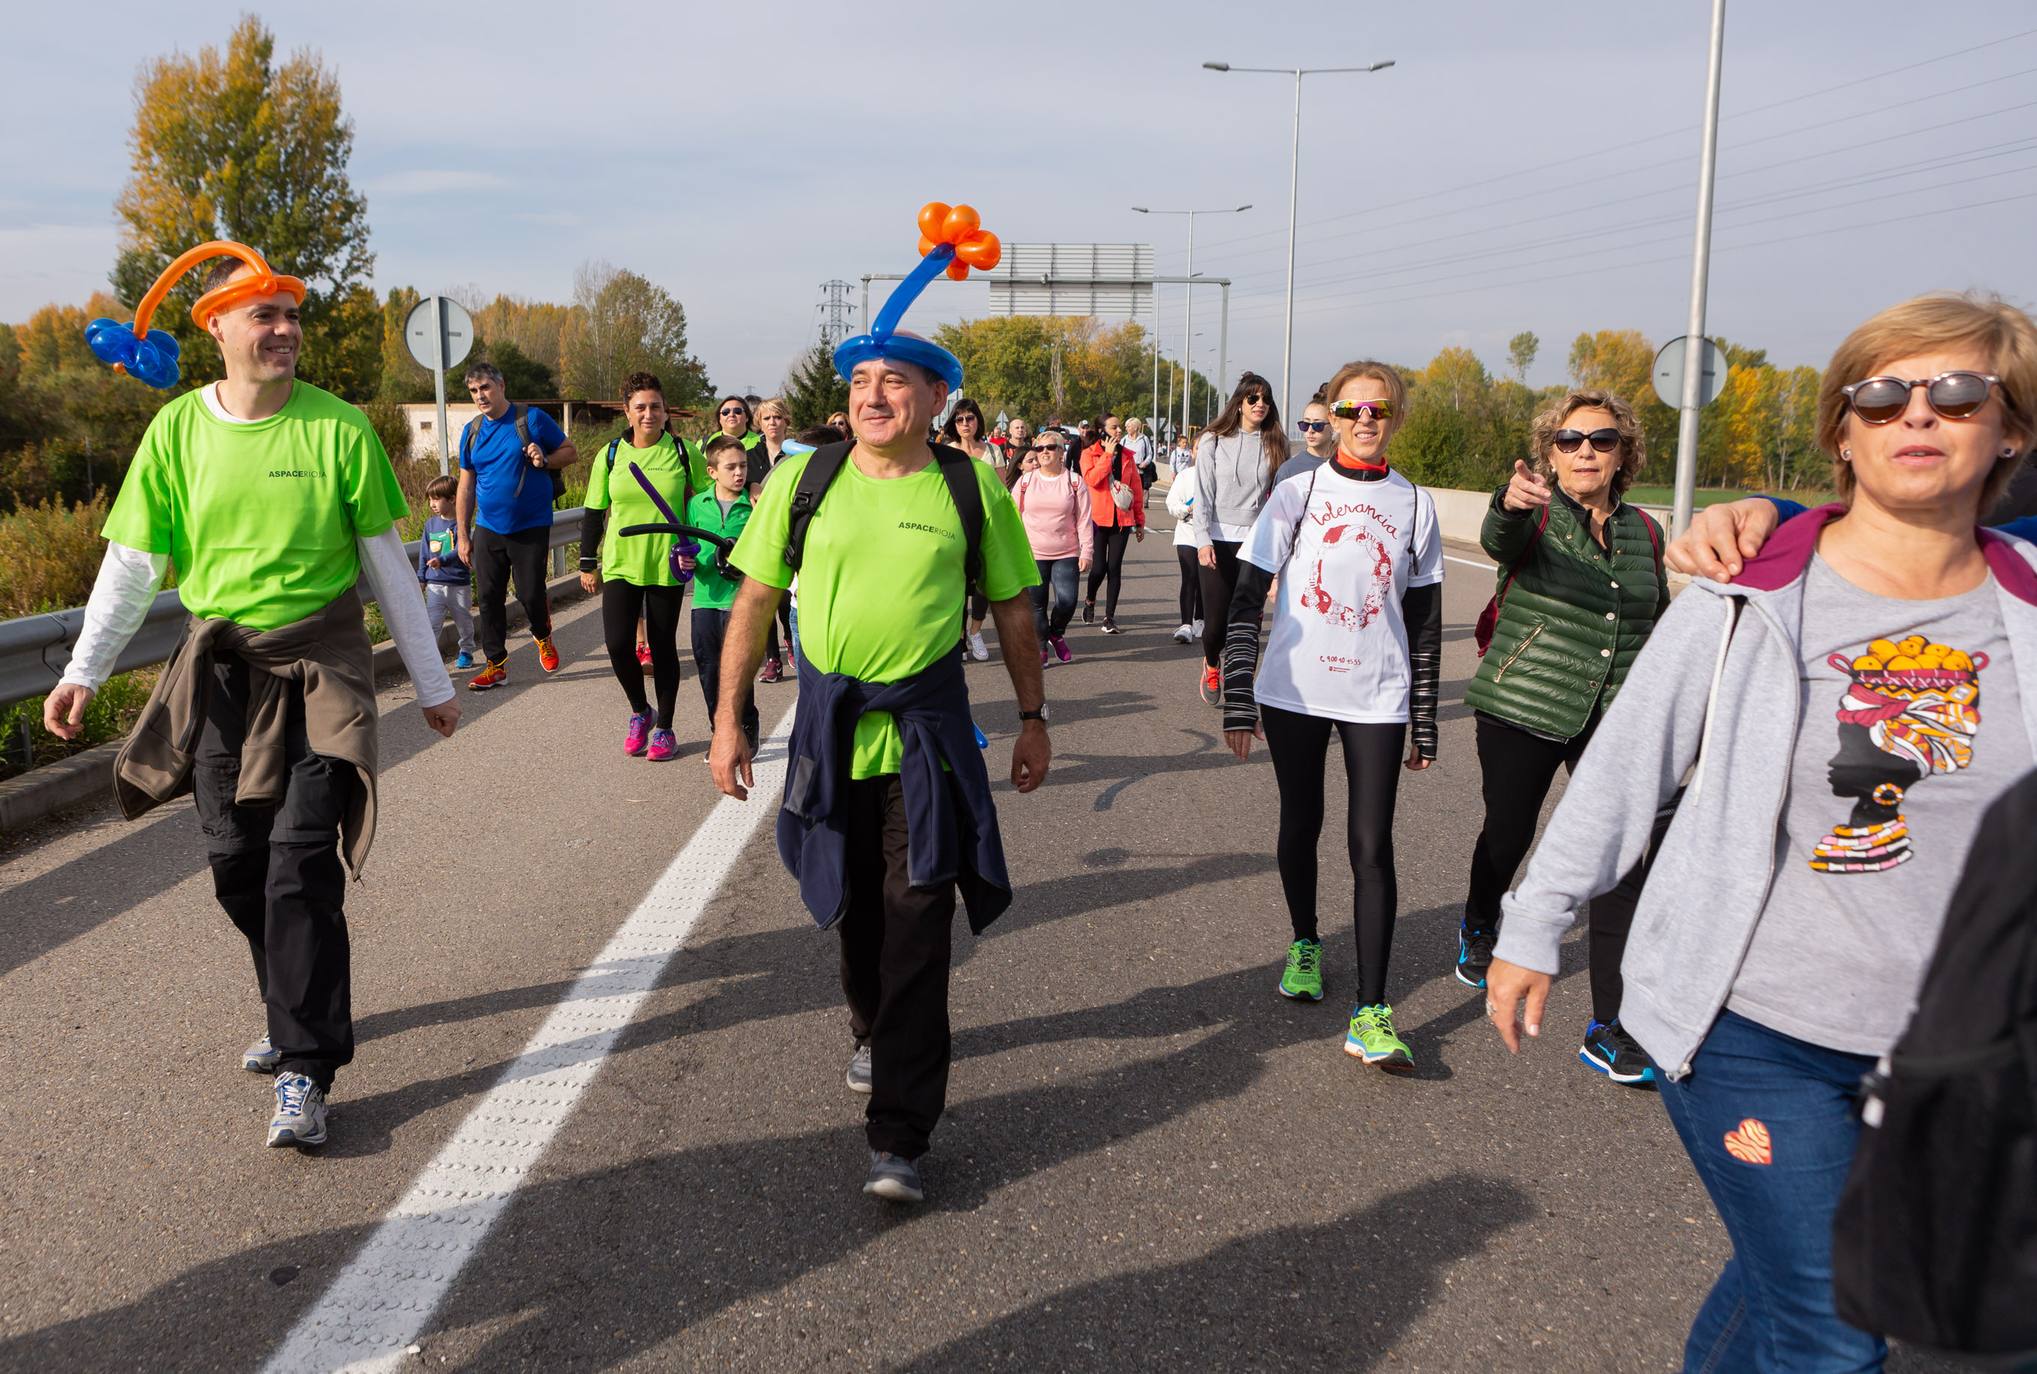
(259, 519)
(881, 587)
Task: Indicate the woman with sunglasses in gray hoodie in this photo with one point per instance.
(1235, 460)
(1844, 714)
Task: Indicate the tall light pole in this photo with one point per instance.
(1293, 197)
(1700, 269)
(1188, 292)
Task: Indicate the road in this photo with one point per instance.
(1150, 1160)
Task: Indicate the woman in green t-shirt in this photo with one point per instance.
(637, 569)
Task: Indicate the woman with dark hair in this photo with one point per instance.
(1117, 508)
(1354, 651)
(964, 430)
(1235, 459)
(1580, 589)
(634, 574)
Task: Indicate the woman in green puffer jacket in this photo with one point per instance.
(1581, 586)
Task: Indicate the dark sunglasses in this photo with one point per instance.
(1954, 395)
(1056, 447)
(1602, 440)
(1256, 398)
(1352, 410)
(1312, 426)
(733, 410)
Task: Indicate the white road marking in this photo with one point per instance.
(1469, 562)
(382, 1300)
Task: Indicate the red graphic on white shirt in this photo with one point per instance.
(1318, 598)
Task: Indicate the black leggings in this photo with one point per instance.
(784, 618)
(622, 604)
(1108, 560)
(1217, 585)
(1516, 770)
(1191, 583)
(1300, 745)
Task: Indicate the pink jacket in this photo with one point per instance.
(1056, 514)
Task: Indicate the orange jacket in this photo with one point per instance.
(1097, 472)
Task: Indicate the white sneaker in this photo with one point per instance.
(300, 1112)
(261, 1057)
(1198, 629)
(978, 650)
(1184, 634)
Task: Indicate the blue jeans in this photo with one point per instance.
(1059, 574)
(1772, 1097)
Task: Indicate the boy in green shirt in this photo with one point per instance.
(722, 509)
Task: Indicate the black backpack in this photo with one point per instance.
(1935, 1239)
(522, 443)
(958, 469)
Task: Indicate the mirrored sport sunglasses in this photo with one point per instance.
(1602, 440)
(1954, 395)
(1352, 410)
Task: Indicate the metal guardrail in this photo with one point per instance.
(35, 649)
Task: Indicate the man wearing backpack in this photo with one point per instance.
(510, 460)
(887, 810)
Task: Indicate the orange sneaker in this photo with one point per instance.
(494, 675)
(1212, 686)
(548, 657)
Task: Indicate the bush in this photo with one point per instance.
(24, 744)
(49, 554)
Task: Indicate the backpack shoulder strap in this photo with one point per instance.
(1654, 531)
(516, 413)
(467, 437)
(613, 445)
(822, 467)
(959, 470)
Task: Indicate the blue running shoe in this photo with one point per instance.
(894, 1179)
(300, 1112)
(1611, 1051)
(463, 662)
(1474, 955)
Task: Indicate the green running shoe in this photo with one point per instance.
(1303, 979)
(1372, 1039)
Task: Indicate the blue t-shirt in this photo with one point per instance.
(497, 461)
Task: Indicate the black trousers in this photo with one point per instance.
(1516, 770)
(277, 872)
(1217, 585)
(710, 629)
(1107, 561)
(1300, 745)
(773, 646)
(1191, 583)
(896, 947)
(622, 604)
(499, 559)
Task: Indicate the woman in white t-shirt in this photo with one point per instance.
(1354, 648)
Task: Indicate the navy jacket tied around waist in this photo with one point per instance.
(950, 817)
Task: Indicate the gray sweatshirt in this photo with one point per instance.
(1232, 482)
(1711, 878)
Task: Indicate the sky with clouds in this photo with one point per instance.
(1520, 167)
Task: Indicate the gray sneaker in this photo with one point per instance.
(893, 1179)
(300, 1112)
(858, 1077)
(261, 1057)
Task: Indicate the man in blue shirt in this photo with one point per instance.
(505, 517)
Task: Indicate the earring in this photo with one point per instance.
(2008, 453)
(1845, 455)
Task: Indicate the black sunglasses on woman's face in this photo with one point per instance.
(1602, 440)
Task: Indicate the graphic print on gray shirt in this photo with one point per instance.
(1910, 724)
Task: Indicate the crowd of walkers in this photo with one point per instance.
(1776, 778)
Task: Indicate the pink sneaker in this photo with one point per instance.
(1046, 657)
(664, 745)
(1061, 649)
(639, 734)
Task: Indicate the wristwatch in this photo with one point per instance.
(1039, 715)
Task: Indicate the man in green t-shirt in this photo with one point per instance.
(271, 499)
(882, 587)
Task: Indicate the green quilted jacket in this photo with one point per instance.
(1574, 618)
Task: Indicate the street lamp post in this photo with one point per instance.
(1700, 269)
(1293, 198)
(1188, 292)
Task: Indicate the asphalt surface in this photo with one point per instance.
(1150, 1160)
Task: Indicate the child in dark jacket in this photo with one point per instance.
(448, 585)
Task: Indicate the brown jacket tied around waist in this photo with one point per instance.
(327, 654)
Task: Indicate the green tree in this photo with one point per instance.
(1521, 351)
(401, 378)
(623, 322)
(237, 146)
(813, 389)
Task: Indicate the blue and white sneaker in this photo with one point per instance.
(894, 1179)
(1611, 1051)
(261, 1057)
(1474, 955)
(464, 662)
(300, 1112)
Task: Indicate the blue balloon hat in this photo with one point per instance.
(952, 241)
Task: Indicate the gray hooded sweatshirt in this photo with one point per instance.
(1711, 877)
(1232, 481)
